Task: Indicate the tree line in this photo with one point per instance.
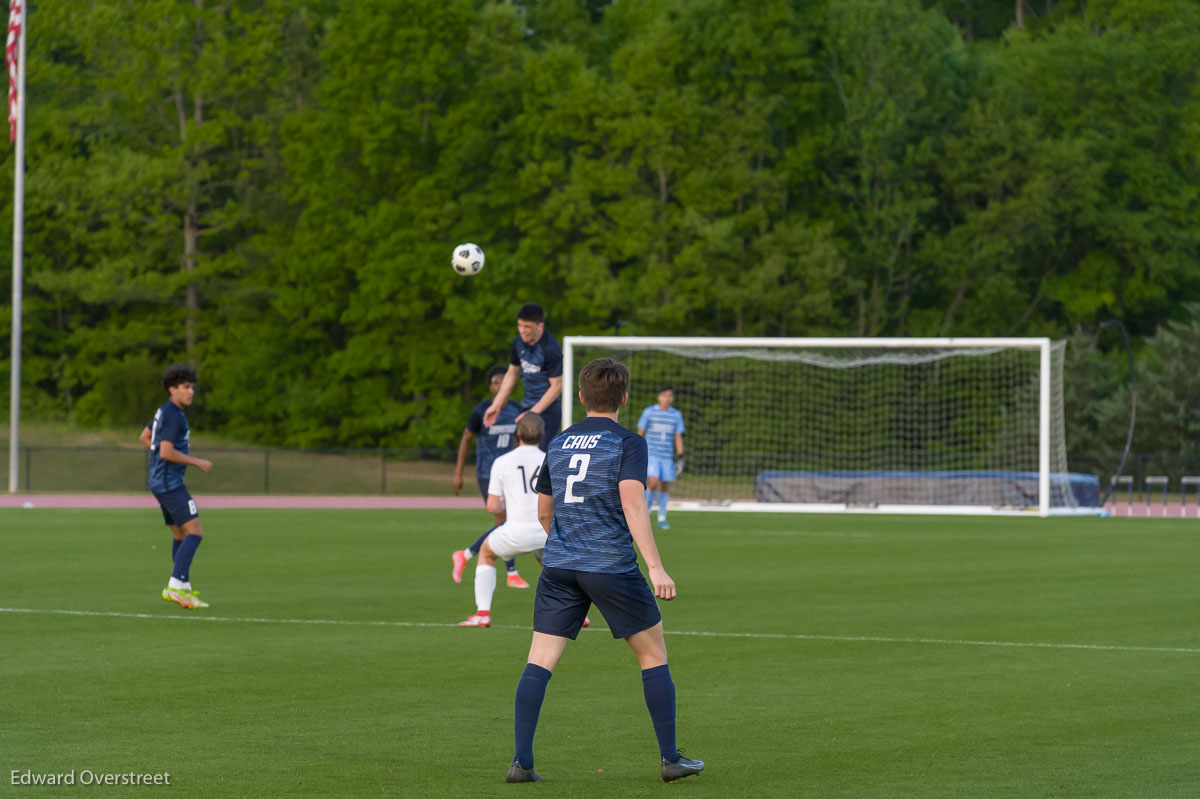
(270, 190)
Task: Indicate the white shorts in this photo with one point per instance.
(516, 538)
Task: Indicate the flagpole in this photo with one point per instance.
(14, 422)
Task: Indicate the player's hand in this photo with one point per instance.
(489, 416)
(519, 415)
(456, 484)
(679, 466)
(664, 586)
(204, 465)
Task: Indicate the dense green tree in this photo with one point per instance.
(271, 189)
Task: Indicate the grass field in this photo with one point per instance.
(813, 657)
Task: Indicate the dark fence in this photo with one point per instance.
(1164, 469)
(242, 470)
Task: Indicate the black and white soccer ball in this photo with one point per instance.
(467, 259)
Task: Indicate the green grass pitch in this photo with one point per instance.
(814, 656)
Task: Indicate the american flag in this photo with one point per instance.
(10, 56)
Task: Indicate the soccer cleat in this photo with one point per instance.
(662, 525)
(587, 622)
(460, 562)
(195, 595)
(683, 767)
(182, 597)
(515, 581)
(477, 620)
(518, 774)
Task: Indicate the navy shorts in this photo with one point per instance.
(178, 507)
(564, 595)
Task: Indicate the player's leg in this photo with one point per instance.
(168, 594)
(558, 612)
(181, 510)
(553, 421)
(485, 587)
(664, 495)
(666, 476)
(658, 689)
(651, 483)
(632, 613)
(461, 557)
(176, 539)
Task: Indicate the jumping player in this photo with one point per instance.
(493, 440)
(536, 359)
(167, 437)
(593, 507)
(662, 426)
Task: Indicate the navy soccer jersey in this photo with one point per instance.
(539, 362)
(584, 468)
(492, 442)
(661, 426)
(169, 425)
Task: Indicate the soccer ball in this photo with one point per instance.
(467, 259)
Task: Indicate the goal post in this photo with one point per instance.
(869, 425)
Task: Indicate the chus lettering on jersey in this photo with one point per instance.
(583, 472)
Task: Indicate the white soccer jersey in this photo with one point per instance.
(514, 478)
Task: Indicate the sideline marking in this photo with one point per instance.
(766, 636)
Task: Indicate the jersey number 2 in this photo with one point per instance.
(579, 462)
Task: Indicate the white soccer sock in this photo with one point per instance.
(469, 554)
(662, 506)
(485, 586)
(175, 584)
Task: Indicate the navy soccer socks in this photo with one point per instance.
(659, 690)
(175, 542)
(183, 557)
(531, 691)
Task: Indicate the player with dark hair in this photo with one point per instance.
(592, 504)
(536, 360)
(493, 441)
(511, 491)
(167, 438)
(662, 427)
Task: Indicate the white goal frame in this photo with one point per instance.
(1041, 345)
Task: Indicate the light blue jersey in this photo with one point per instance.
(661, 426)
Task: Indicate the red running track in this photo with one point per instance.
(146, 501)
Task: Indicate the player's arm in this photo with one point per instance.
(506, 387)
(457, 483)
(679, 445)
(494, 504)
(553, 392)
(147, 437)
(545, 491)
(633, 501)
(167, 451)
(546, 511)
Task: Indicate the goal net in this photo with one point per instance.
(883, 425)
